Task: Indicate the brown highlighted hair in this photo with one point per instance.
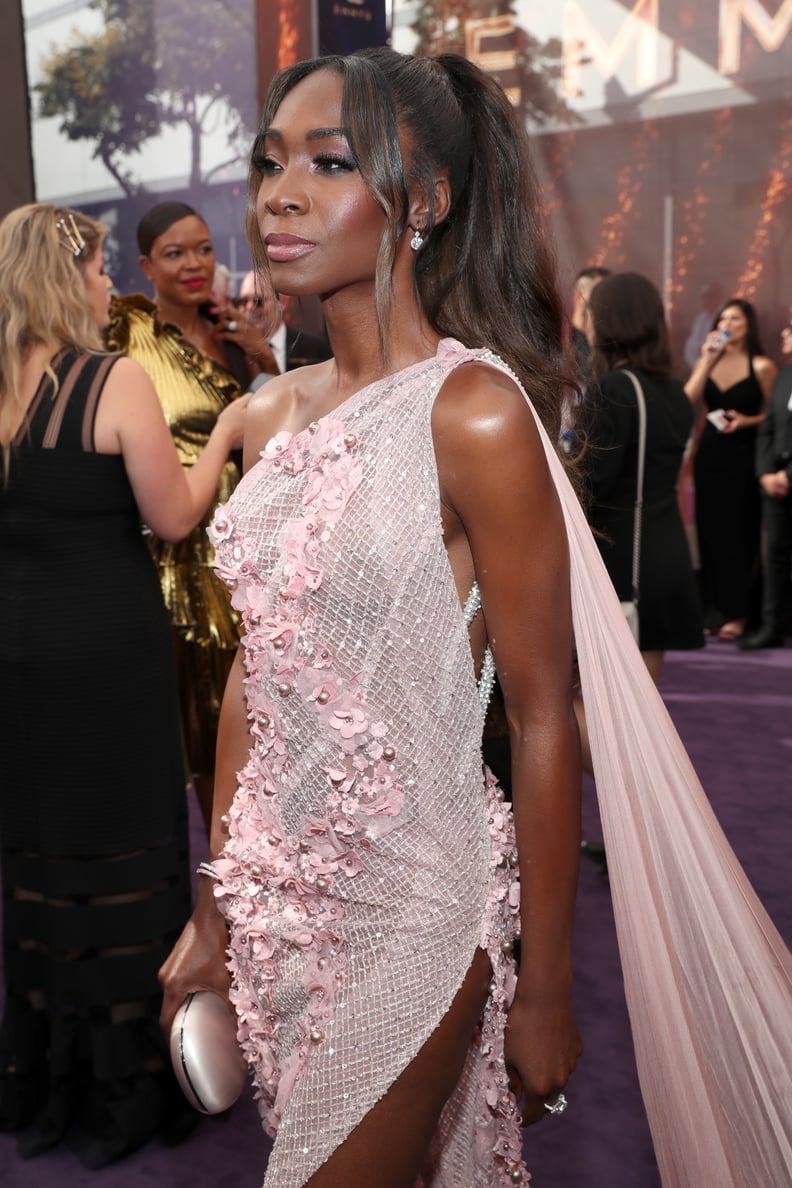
(629, 324)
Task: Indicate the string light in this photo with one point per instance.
(628, 187)
(694, 208)
(779, 185)
(288, 33)
(557, 158)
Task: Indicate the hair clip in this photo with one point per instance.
(70, 236)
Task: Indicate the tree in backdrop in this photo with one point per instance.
(156, 64)
(529, 70)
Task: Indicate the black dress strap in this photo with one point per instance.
(65, 417)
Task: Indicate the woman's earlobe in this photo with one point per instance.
(442, 198)
(420, 207)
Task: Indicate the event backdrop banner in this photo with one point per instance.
(662, 129)
(662, 133)
(134, 101)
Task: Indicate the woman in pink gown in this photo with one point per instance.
(402, 531)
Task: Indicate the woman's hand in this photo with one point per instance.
(231, 421)
(198, 960)
(735, 420)
(712, 348)
(776, 485)
(234, 325)
(542, 1046)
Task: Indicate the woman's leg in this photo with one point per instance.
(389, 1146)
(653, 662)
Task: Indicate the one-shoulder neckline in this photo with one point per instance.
(389, 381)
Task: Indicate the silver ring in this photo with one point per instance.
(232, 326)
(558, 1106)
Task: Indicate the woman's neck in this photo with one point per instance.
(195, 328)
(188, 319)
(354, 338)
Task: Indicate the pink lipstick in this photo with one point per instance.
(282, 247)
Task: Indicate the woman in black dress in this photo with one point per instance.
(629, 333)
(733, 378)
(95, 871)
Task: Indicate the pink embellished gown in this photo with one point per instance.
(370, 854)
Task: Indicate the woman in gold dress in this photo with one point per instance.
(200, 358)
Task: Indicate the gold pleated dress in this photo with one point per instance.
(193, 389)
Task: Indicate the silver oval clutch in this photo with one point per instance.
(205, 1054)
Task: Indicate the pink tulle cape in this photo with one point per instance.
(708, 978)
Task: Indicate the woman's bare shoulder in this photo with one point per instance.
(764, 366)
(283, 404)
(479, 401)
(126, 371)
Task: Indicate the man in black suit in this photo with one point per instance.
(774, 470)
(290, 348)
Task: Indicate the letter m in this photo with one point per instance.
(582, 42)
(768, 31)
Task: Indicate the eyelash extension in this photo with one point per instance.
(263, 163)
(338, 159)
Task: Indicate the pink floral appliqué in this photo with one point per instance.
(498, 1125)
(449, 352)
(265, 871)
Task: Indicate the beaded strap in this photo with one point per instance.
(486, 679)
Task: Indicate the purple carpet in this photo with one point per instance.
(734, 712)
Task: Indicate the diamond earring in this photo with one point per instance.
(416, 243)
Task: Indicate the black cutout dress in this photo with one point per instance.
(93, 816)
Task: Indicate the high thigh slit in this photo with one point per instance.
(394, 1139)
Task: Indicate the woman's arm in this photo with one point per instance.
(502, 513)
(765, 371)
(697, 380)
(130, 421)
(198, 959)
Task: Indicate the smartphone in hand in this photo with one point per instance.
(718, 418)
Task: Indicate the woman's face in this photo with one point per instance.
(97, 288)
(786, 338)
(320, 225)
(181, 265)
(734, 320)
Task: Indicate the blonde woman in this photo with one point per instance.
(92, 808)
